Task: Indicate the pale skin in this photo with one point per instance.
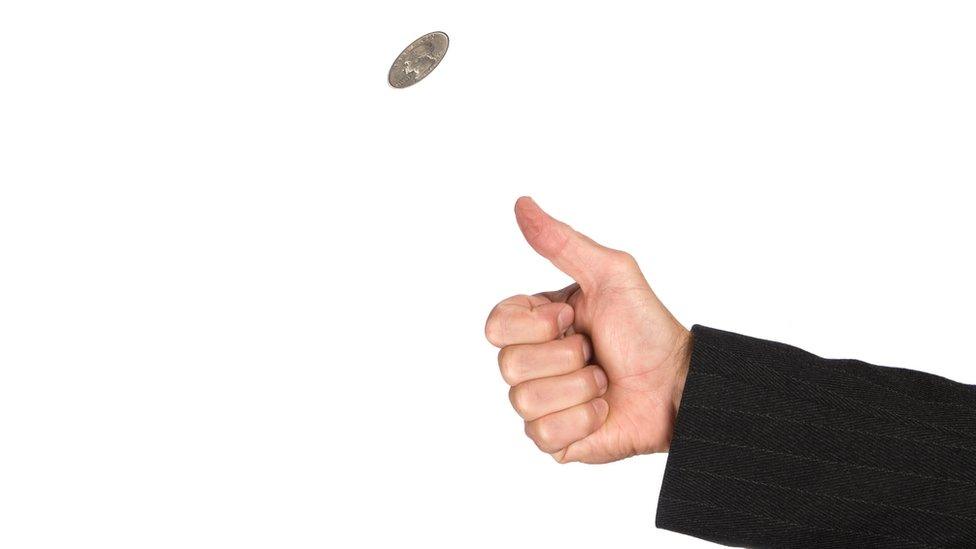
(596, 369)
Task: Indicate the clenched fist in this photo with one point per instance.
(596, 369)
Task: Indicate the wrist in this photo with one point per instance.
(681, 367)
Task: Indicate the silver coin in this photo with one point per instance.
(418, 59)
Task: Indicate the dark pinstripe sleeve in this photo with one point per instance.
(776, 447)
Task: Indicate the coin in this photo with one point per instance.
(418, 59)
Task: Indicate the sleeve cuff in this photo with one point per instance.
(776, 447)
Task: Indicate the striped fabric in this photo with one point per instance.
(776, 447)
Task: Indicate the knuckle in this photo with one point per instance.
(542, 434)
(622, 260)
(508, 365)
(492, 329)
(520, 399)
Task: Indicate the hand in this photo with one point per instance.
(596, 369)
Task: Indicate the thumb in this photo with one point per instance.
(571, 252)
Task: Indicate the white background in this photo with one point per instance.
(243, 281)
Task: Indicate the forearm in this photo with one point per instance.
(776, 447)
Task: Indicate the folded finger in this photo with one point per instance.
(539, 397)
(558, 430)
(520, 363)
(527, 319)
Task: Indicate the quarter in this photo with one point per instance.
(418, 59)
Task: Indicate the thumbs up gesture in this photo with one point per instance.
(596, 369)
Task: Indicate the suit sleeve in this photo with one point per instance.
(776, 447)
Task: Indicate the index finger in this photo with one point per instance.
(524, 319)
